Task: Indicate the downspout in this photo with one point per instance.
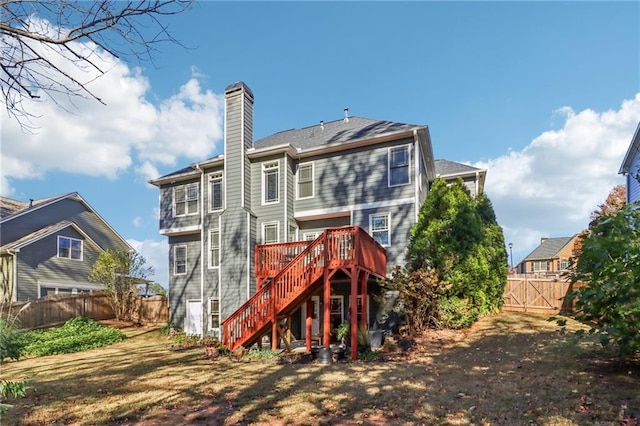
(285, 225)
(202, 252)
(416, 167)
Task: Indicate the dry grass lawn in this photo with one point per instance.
(508, 369)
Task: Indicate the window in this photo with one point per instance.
(214, 248)
(540, 266)
(214, 313)
(185, 199)
(399, 166)
(180, 260)
(69, 248)
(310, 236)
(215, 191)
(270, 232)
(379, 228)
(359, 308)
(270, 182)
(564, 265)
(305, 180)
(336, 311)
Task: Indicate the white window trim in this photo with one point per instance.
(341, 299)
(408, 148)
(313, 180)
(539, 263)
(70, 239)
(306, 235)
(209, 262)
(186, 187)
(213, 331)
(264, 226)
(186, 259)
(270, 165)
(212, 177)
(388, 226)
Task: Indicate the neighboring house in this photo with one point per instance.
(551, 257)
(349, 188)
(630, 168)
(48, 246)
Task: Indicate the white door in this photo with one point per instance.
(193, 321)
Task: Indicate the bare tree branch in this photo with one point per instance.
(54, 47)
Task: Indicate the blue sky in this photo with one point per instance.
(545, 95)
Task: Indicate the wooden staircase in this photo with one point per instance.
(300, 268)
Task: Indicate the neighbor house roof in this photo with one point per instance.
(631, 152)
(549, 248)
(11, 209)
(45, 232)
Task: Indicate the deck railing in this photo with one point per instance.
(338, 247)
(272, 258)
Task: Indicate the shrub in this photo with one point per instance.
(76, 335)
(11, 341)
(16, 389)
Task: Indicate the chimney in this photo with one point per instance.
(30, 202)
(322, 124)
(543, 239)
(346, 115)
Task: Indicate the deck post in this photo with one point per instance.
(275, 339)
(309, 323)
(355, 273)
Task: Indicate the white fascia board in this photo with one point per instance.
(181, 231)
(346, 210)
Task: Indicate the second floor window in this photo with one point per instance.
(180, 260)
(399, 166)
(305, 180)
(380, 229)
(270, 182)
(185, 199)
(70, 248)
(214, 248)
(215, 191)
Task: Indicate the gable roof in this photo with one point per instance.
(549, 248)
(330, 136)
(447, 168)
(333, 132)
(45, 232)
(625, 167)
(12, 209)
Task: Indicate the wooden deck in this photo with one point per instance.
(288, 274)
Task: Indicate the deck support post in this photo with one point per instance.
(275, 339)
(355, 273)
(309, 324)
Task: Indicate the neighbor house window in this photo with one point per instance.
(214, 312)
(180, 260)
(540, 266)
(564, 265)
(185, 199)
(69, 248)
(215, 191)
(399, 166)
(214, 248)
(270, 232)
(379, 228)
(270, 182)
(305, 180)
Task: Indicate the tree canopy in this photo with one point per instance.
(120, 272)
(457, 261)
(54, 47)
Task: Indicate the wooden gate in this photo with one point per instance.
(529, 293)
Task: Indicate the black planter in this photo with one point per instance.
(324, 355)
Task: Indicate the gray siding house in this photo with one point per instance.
(283, 191)
(630, 168)
(48, 246)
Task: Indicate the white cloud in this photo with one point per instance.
(551, 186)
(82, 136)
(136, 221)
(156, 255)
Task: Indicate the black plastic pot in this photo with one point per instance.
(324, 355)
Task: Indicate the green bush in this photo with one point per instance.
(457, 313)
(76, 335)
(16, 389)
(11, 342)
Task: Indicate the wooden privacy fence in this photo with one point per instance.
(530, 293)
(56, 310)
